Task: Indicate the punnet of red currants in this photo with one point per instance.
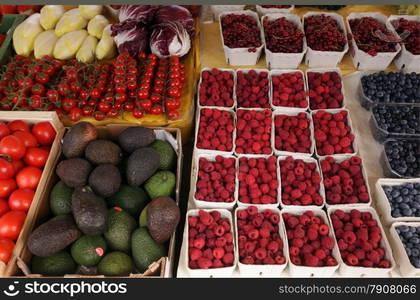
(323, 33)
(241, 31)
(282, 36)
(372, 36)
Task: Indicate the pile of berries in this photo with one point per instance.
(403, 157)
(344, 181)
(216, 88)
(292, 133)
(253, 131)
(216, 180)
(300, 182)
(283, 36)
(332, 133)
(289, 90)
(359, 239)
(310, 241)
(259, 241)
(398, 119)
(215, 130)
(372, 36)
(258, 180)
(409, 32)
(404, 199)
(325, 90)
(241, 31)
(210, 241)
(323, 33)
(252, 89)
(410, 237)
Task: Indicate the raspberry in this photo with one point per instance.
(312, 234)
(352, 260)
(311, 260)
(204, 263)
(228, 259)
(218, 253)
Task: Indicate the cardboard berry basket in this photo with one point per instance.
(241, 56)
(197, 150)
(356, 271)
(236, 135)
(273, 134)
(259, 206)
(219, 9)
(159, 269)
(246, 270)
(314, 58)
(358, 205)
(194, 178)
(184, 255)
(279, 60)
(406, 60)
(45, 182)
(401, 258)
(322, 71)
(321, 188)
(361, 59)
(383, 205)
(199, 105)
(246, 71)
(304, 271)
(284, 108)
(349, 123)
(265, 11)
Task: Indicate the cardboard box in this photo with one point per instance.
(161, 268)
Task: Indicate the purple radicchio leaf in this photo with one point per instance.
(139, 13)
(170, 38)
(175, 13)
(130, 36)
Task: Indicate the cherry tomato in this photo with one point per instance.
(25, 83)
(7, 170)
(92, 102)
(75, 114)
(131, 85)
(28, 177)
(44, 133)
(38, 89)
(128, 106)
(87, 110)
(20, 200)
(6, 249)
(37, 157)
(142, 94)
(174, 92)
(4, 207)
(156, 110)
(68, 103)
(104, 107)
(11, 224)
(4, 130)
(28, 139)
(63, 89)
(119, 79)
(113, 113)
(52, 96)
(99, 115)
(173, 115)
(117, 105)
(42, 78)
(7, 186)
(146, 104)
(84, 94)
(158, 89)
(18, 125)
(172, 104)
(75, 87)
(95, 93)
(36, 101)
(138, 113)
(120, 97)
(12, 146)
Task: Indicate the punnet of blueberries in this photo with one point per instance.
(410, 237)
(404, 199)
(404, 157)
(394, 119)
(392, 87)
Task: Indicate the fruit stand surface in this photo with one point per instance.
(212, 54)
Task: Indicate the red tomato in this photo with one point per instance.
(4, 207)
(7, 170)
(36, 157)
(44, 132)
(4, 130)
(28, 178)
(21, 199)
(11, 224)
(18, 125)
(7, 186)
(28, 139)
(6, 249)
(12, 146)
(18, 164)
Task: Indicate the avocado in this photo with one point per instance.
(76, 139)
(57, 264)
(162, 183)
(133, 138)
(116, 264)
(120, 225)
(162, 218)
(143, 217)
(145, 250)
(53, 236)
(88, 250)
(89, 211)
(105, 180)
(167, 154)
(103, 152)
(60, 199)
(141, 164)
(74, 172)
(87, 271)
(131, 199)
